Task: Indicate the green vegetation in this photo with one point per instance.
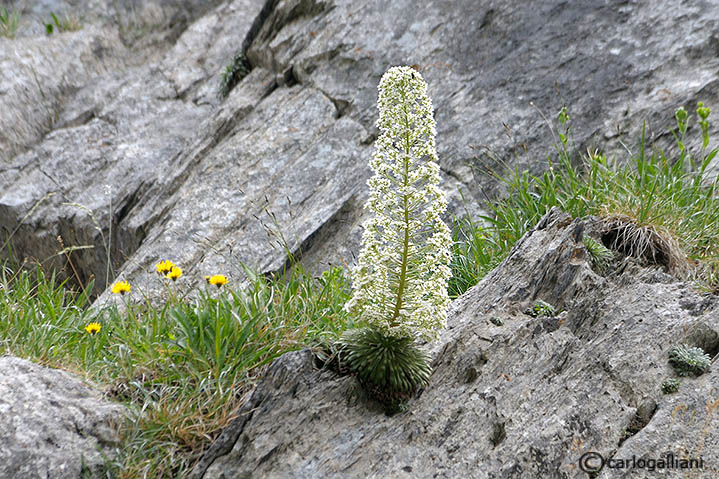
(541, 309)
(390, 369)
(496, 320)
(238, 69)
(670, 386)
(689, 361)
(660, 209)
(599, 255)
(9, 22)
(67, 23)
(182, 367)
(476, 250)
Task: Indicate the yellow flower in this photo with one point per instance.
(174, 273)
(93, 328)
(218, 280)
(164, 267)
(121, 287)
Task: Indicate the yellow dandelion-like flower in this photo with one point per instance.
(218, 280)
(174, 273)
(121, 287)
(207, 278)
(164, 267)
(93, 328)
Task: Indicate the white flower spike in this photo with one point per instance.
(400, 281)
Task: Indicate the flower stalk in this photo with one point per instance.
(400, 281)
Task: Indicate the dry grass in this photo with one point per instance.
(652, 243)
(693, 447)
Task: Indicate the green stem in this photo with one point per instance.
(219, 359)
(405, 246)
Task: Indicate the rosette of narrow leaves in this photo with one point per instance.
(400, 281)
(541, 309)
(689, 361)
(599, 254)
(670, 386)
(389, 368)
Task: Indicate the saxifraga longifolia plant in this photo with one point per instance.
(400, 280)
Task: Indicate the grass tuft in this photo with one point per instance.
(183, 368)
(541, 309)
(9, 22)
(654, 208)
(238, 69)
(65, 23)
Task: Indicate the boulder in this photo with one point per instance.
(526, 399)
(113, 136)
(54, 425)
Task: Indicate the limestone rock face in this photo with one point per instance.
(525, 399)
(113, 137)
(53, 425)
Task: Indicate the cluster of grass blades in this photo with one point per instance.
(660, 209)
(238, 68)
(9, 22)
(182, 367)
(599, 255)
(475, 252)
(66, 23)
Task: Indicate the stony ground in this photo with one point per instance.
(527, 398)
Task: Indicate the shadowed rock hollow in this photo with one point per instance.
(122, 116)
(523, 400)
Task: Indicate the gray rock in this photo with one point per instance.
(118, 138)
(130, 101)
(524, 400)
(36, 77)
(54, 425)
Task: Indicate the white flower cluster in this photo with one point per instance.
(400, 281)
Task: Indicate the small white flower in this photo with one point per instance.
(400, 281)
